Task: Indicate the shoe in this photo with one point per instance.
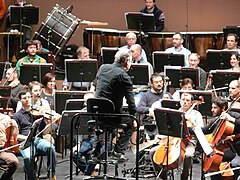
(119, 157)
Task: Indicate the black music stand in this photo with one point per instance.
(222, 78)
(170, 103)
(80, 125)
(139, 74)
(161, 59)
(24, 15)
(218, 59)
(5, 91)
(4, 101)
(140, 21)
(74, 104)
(171, 123)
(61, 97)
(177, 74)
(34, 72)
(108, 54)
(81, 70)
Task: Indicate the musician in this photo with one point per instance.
(114, 83)
(232, 42)
(195, 118)
(153, 95)
(185, 85)
(234, 92)
(31, 57)
(178, 47)
(151, 8)
(35, 88)
(136, 51)
(194, 60)
(131, 39)
(48, 90)
(14, 40)
(82, 53)
(219, 106)
(8, 157)
(234, 61)
(25, 119)
(17, 87)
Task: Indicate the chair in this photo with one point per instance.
(107, 124)
(103, 112)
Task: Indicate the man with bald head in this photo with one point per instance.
(234, 92)
(17, 87)
(131, 39)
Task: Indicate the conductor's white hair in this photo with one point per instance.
(122, 55)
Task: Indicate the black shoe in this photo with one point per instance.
(119, 157)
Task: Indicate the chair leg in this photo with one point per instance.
(40, 166)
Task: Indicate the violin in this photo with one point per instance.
(47, 114)
(11, 134)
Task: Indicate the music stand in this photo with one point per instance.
(222, 78)
(80, 70)
(108, 54)
(5, 91)
(219, 59)
(171, 123)
(176, 74)
(139, 74)
(24, 15)
(61, 97)
(206, 97)
(65, 124)
(170, 103)
(34, 72)
(4, 101)
(161, 59)
(74, 104)
(140, 22)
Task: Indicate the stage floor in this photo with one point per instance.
(63, 169)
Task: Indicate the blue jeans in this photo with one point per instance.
(41, 146)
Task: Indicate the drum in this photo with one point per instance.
(96, 38)
(160, 41)
(57, 28)
(200, 42)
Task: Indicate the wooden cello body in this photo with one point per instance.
(175, 150)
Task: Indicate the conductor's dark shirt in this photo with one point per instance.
(114, 83)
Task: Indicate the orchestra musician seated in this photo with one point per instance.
(25, 119)
(231, 144)
(234, 93)
(153, 95)
(17, 87)
(194, 121)
(232, 42)
(194, 60)
(82, 54)
(6, 154)
(234, 61)
(185, 85)
(137, 58)
(31, 57)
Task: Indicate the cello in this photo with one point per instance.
(221, 131)
(11, 136)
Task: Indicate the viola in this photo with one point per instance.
(11, 134)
